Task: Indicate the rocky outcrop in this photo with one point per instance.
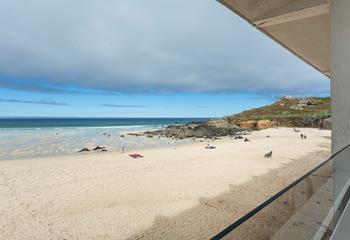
(286, 112)
(257, 124)
(96, 149)
(304, 102)
(327, 124)
(100, 149)
(209, 129)
(84, 150)
(309, 121)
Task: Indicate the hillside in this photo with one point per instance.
(287, 112)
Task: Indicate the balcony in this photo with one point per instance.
(308, 208)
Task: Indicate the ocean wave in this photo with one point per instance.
(126, 127)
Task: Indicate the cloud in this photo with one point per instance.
(42, 102)
(28, 86)
(143, 46)
(122, 106)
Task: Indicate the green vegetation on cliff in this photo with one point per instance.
(287, 108)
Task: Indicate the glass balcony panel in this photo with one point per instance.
(307, 209)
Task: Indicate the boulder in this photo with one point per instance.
(84, 150)
(327, 124)
(98, 148)
(209, 129)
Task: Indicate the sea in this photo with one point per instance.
(23, 138)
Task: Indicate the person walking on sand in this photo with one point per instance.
(123, 149)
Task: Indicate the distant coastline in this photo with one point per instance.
(53, 122)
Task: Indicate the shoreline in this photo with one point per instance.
(16, 144)
(142, 143)
(114, 151)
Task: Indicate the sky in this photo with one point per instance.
(155, 58)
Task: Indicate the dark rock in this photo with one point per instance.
(85, 150)
(209, 130)
(98, 148)
(134, 134)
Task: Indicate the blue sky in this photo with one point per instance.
(135, 59)
(132, 105)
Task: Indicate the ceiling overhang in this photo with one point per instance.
(301, 26)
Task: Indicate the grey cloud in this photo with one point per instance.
(28, 86)
(135, 46)
(122, 106)
(42, 102)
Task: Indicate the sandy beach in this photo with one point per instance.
(183, 192)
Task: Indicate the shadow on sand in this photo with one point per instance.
(212, 215)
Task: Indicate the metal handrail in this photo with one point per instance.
(246, 217)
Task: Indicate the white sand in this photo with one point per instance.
(112, 196)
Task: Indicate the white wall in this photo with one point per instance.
(340, 55)
(340, 58)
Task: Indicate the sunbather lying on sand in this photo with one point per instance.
(210, 147)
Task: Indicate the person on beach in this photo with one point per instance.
(268, 155)
(210, 146)
(123, 149)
